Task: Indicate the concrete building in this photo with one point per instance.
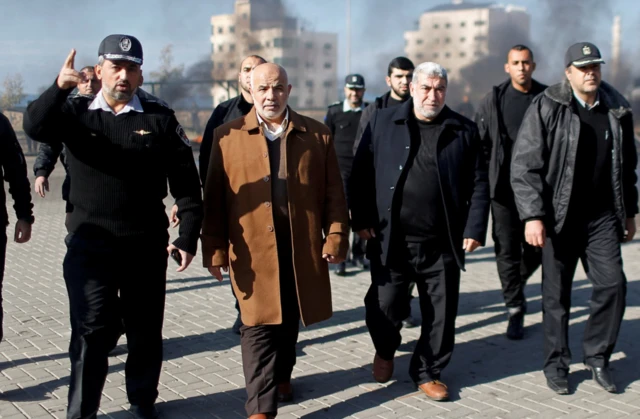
(459, 34)
(262, 27)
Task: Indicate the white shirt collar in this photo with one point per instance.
(100, 103)
(585, 104)
(346, 107)
(273, 135)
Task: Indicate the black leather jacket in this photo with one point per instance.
(544, 156)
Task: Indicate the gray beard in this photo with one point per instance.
(430, 114)
(120, 96)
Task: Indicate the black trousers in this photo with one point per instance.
(95, 271)
(597, 243)
(3, 255)
(437, 277)
(269, 351)
(358, 247)
(516, 259)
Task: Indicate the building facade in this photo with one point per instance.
(262, 27)
(460, 34)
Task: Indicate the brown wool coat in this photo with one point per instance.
(238, 223)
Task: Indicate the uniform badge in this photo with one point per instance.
(354, 79)
(142, 132)
(182, 135)
(125, 44)
(586, 50)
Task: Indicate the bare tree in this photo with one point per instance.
(13, 92)
(172, 77)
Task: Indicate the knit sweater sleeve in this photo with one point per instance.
(47, 116)
(184, 185)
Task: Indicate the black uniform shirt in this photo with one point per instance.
(121, 165)
(344, 126)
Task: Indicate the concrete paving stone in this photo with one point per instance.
(619, 407)
(580, 415)
(8, 409)
(518, 413)
(229, 372)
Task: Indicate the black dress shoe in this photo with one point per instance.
(237, 325)
(410, 322)
(341, 269)
(602, 376)
(558, 384)
(144, 411)
(515, 328)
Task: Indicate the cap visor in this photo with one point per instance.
(122, 57)
(584, 63)
(354, 86)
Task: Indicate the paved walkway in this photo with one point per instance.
(489, 376)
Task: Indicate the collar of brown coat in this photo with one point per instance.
(296, 121)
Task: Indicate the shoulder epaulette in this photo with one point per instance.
(335, 104)
(149, 98)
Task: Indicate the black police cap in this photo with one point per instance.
(354, 81)
(582, 54)
(121, 47)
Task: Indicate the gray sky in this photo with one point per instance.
(36, 35)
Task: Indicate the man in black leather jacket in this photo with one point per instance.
(573, 177)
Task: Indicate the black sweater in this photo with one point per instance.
(13, 169)
(422, 212)
(592, 184)
(121, 165)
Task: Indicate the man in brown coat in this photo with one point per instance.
(273, 188)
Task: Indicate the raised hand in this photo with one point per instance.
(69, 77)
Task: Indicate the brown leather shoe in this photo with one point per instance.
(435, 390)
(382, 370)
(285, 392)
(261, 416)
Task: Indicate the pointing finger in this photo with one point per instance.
(70, 59)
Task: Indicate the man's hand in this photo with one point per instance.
(186, 257)
(69, 77)
(535, 233)
(215, 271)
(23, 232)
(42, 185)
(332, 259)
(175, 221)
(366, 234)
(470, 245)
(630, 227)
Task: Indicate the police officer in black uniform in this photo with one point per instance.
(122, 149)
(343, 119)
(13, 170)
